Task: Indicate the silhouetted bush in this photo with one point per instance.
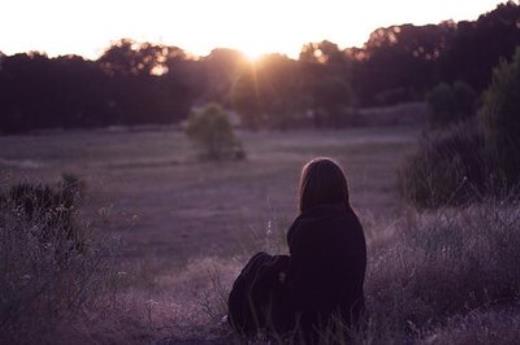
(52, 208)
(449, 104)
(211, 129)
(501, 118)
(51, 264)
(451, 167)
(473, 158)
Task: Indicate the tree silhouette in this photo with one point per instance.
(139, 82)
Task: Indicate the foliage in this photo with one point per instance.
(450, 167)
(501, 118)
(51, 264)
(416, 58)
(269, 93)
(331, 102)
(136, 83)
(473, 158)
(123, 87)
(449, 104)
(211, 129)
(277, 92)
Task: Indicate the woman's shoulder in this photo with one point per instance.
(325, 218)
(330, 214)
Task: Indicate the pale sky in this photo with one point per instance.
(253, 26)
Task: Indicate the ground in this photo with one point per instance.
(170, 209)
(149, 186)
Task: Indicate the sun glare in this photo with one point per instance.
(253, 52)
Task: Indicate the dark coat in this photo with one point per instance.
(327, 266)
(257, 300)
(324, 276)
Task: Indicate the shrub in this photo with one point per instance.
(451, 103)
(451, 167)
(51, 264)
(501, 118)
(473, 158)
(211, 129)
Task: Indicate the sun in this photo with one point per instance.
(254, 52)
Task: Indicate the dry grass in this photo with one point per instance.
(444, 277)
(187, 228)
(52, 265)
(150, 188)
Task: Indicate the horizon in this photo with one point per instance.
(216, 27)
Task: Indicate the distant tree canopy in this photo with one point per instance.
(136, 83)
(129, 84)
(403, 62)
(269, 92)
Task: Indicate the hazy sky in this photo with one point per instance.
(253, 26)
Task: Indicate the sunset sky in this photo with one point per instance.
(253, 26)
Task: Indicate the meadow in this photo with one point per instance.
(178, 217)
(149, 187)
(183, 228)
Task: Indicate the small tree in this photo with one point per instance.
(501, 118)
(211, 129)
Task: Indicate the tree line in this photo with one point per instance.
(134, 83)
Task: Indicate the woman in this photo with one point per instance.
(322, 280)
(327, 251)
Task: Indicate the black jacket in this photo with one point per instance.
(327, 265)
(257, 299)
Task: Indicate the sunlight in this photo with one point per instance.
(253, 51)
(251, 54)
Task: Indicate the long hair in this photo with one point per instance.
(322, 181)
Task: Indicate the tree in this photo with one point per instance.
(222, 67)
(211, 129)
(128, 57)
(269, 93)
(331, 97)
(148, 82)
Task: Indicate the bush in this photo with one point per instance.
(51, 265)
(451, 167)
(211, 129)
(451, 103)
(473, 158)
(501, 118)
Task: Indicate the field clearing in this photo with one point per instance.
(168, 208)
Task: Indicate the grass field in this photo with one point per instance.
(181, 220)
(167, 206)
(446, 276)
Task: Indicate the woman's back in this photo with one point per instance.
(327, 264)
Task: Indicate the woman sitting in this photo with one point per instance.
(321, 282)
